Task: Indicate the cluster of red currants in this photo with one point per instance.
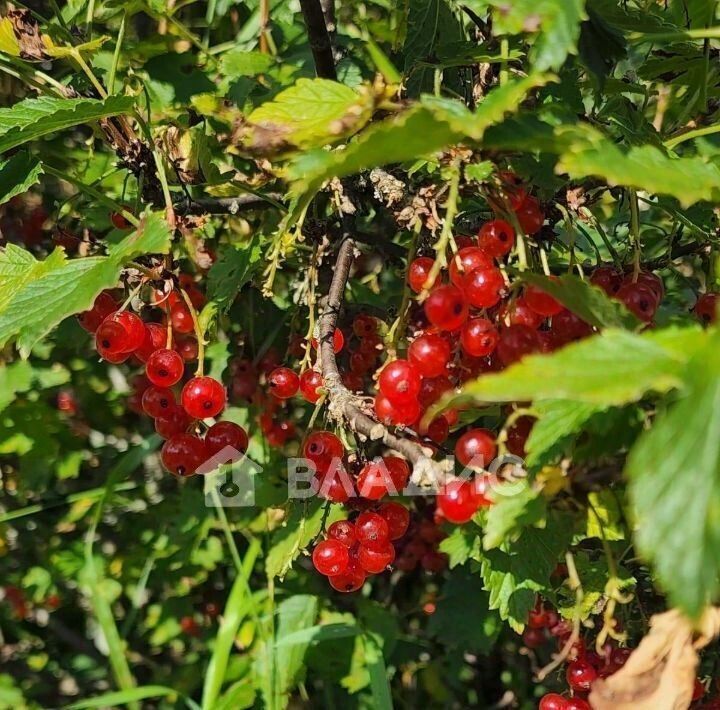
(121, 334)
(354, 550)
(420, 547)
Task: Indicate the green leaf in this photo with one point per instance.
(239, 62)
(515, 573)
(302, 525)
(612, 368)
(430, 126)
(14, 378)
(375, 664)
(558, 23)
(590, 153)
(313, 112)
(604, 519)
(515, 507)
(124, 697)
(557, 420)
(594, 575)
(318, 634)
(37, 295)
(463, 617)
(232, 271)
(33, 118)
(674, 472)
(18, 174)
(589, 302)
(461, 545)
(236, 609)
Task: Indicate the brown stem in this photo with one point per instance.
(343, 404)
(226, 205)
(319, 39)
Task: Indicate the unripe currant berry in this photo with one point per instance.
(203, 397)
(283, 382)
(164, 368)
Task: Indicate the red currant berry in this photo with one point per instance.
(331, 557)
(568, 327)
(352, 580)
(361, 362)
(323, 448)
(638, 299)
(110, 339)
(338, 341)
(283, 383)
(396, 413)
(429, 354)
(183, 454)
(541, 302)
(226, 434)
(181, 319)
(580, 675)
(458, 501)
(706, 308)
(119, 221)
(376, 561)
(397, 517)
(333, 489)
(517, 312)
(203, 397)
(364, 326)
(432, 388)
(132, 326)
(188, 348)
(577, 703)
(517, 435)
(470, 258)
(343, 531)
(534, 638)
(155, 338)
(479, 337)
(607, 278)
(158, 401)
(537, 618)
(353, 381)
(530, 216)
(446, 308)
(372, 531)
(438, 430)
(399, 381)
(496, 238)
(418, 272)
(476, 448)
(164, 368)
(103, 306)
(517, 341)
(652, 281)
(310, 382)
(552, 701)
(174, 422)
(484, 287)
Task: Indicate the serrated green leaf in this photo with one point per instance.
(612, 368)
(461, 545)
(514, 508)
(232, 271)
(594, 575)
(515, 573)
(462, 616)
(590, 153)
(312, 113)
(557, 420)
(303, 524)
(18, 174)
(674, 472)
(589, 302)
(431, 125)
(33, 118)
(604, 519)
(556, 21)
(38, 295)
(239, 62)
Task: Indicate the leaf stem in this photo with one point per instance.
(116, 54)
(635, 231)
(672, 143)
(198, 334)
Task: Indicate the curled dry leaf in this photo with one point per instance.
(660, 673)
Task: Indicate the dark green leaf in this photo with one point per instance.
(233, 269)
(18, 174)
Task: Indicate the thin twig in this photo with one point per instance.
(226, 205)
(319, 39)
(343, 404)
